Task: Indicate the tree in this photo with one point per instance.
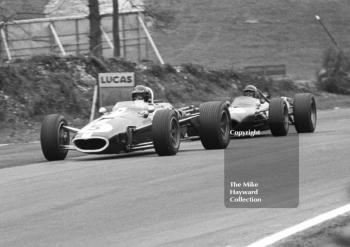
(95, 28)
(116, 38)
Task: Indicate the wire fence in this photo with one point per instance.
(70, 35)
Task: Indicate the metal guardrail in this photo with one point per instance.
(267, 70)
(70, 35)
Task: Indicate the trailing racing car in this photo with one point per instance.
(255, 111)
(139, 124)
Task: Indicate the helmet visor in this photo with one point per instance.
(249, 93)
(140, 96)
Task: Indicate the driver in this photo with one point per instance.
(141, 93)
(251, 91)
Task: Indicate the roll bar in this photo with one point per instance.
(152, 94)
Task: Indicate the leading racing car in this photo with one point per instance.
(255, 111)
(138, 125)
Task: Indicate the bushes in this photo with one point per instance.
(158, 70)
(44, 85)
(334, 77)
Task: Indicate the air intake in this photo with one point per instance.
(95, 144)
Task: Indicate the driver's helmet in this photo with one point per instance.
(141, 93)
(250, 91)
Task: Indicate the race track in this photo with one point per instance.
(141, 199)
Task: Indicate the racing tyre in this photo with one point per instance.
(278, 117)
(215, 124)
(305, 116)
(53, 136)
(166, 132)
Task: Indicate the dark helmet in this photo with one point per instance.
(141, 93)
(251, 91)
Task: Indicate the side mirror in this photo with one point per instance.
(151, 108)
(102, 110)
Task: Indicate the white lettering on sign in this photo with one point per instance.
(126, 79)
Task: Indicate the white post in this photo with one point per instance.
(110, 43)
(93, 106)
(150, 39)
(57, 39)
(3, 36)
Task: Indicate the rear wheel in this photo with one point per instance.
(278, 117)
(215, 123)
(166, 132)
(53, 136)
(305, 115)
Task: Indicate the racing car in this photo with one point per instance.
(256, 111)
(139, 124)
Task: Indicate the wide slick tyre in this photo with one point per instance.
(305, 113)
(53, 136)
(166, 132)
(278, 117)
(214, 125)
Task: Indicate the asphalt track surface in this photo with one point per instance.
(145, 200)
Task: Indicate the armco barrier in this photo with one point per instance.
(267, 70)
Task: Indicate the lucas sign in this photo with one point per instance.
(115, 80)
(115, 87)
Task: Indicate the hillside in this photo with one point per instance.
(21, 9)
(237, 33)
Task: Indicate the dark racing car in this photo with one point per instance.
(254, 111)
(139, 124)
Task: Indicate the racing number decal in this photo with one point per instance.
(100, 126)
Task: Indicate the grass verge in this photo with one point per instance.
(335, 233)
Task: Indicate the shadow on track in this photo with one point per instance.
(113, 156)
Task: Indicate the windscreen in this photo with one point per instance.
(137, 105)
(244, 101)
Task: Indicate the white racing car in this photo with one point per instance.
(139, 124)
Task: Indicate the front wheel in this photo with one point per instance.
(53, 137)
(166, 132)
(214, 125)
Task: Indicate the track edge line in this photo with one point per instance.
(266, 241)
